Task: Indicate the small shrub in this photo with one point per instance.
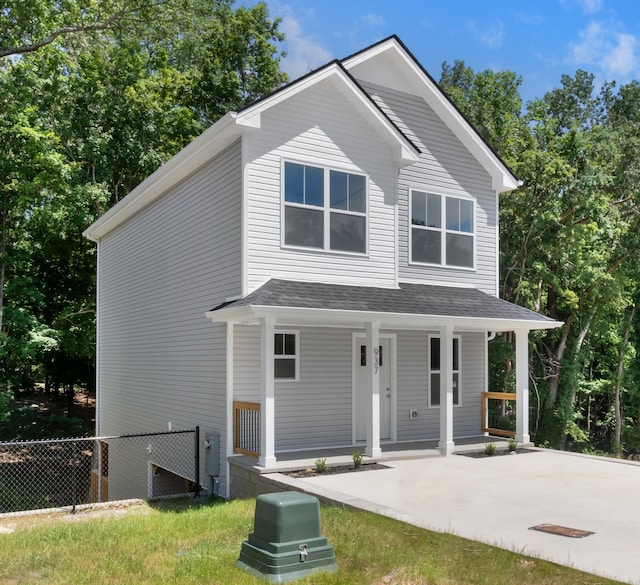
(490, 449)
(512, 444)
(321, 465)
(357, 459)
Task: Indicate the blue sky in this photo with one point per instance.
(538, 39)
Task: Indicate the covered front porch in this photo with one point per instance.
(247, 436)
(361, 360)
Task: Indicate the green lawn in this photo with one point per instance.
(186, 543)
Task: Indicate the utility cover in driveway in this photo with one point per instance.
(561, 530)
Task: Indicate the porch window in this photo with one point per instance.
(285, 355)
(324, 209)
(434, 371)
(442, 230)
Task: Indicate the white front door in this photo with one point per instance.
(363, 392)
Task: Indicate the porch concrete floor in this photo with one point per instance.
(291, 460)
(497, 500)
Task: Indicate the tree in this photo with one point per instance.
(564, 241)
(491, 102)
(568, 236)
(86, 116)
(27, 26)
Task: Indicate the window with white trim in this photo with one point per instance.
(434, 365)
(324, 209)
(442, 230)
(285, 355)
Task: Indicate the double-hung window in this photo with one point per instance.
(324, 209)
(442, 230)
(434, 366)
(285, 355)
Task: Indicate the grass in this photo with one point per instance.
(188, 543)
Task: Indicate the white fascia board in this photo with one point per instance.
(338, 318)
(189, 159)
(405, 151)
(244, 315)
(503, 179)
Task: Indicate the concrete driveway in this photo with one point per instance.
(497, 500)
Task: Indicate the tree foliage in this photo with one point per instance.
(96, 96)
(569, 239)
(27, 26)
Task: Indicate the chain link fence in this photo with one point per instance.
(69, 472)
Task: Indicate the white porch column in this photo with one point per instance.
(522, 385)
(373, 381)
(446, 444)
(229, 437)
(267, 395)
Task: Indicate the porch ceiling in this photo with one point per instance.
(410, 306)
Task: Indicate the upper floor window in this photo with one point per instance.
(324, 209)
(442, 230)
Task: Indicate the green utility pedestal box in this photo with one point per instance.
(286, 543)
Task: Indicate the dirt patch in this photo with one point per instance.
(335, 469)
(37, 415)
(25, 520)
(497, 453)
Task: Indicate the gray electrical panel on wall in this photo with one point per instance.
(212, 454)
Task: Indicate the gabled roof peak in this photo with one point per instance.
(405, 150)
(388, 59)
(404, 71)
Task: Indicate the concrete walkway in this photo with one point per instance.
(497, 500)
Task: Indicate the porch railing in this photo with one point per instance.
(499, 413)
(246, 428)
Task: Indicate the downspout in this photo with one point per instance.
(97, 376)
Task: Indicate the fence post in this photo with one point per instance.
(75, 476)
(99, 449)
(197, 462)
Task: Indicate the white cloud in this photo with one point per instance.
(303, 53)
(614, 52)
(493, 37)
(593, 43)
(490, 36)
(622, 58)
(372, 20)
(528, 18)
(587, 6)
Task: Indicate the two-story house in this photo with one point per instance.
(328, 254)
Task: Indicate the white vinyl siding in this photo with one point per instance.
(446, 167)
(158, 274)
(467, 418)
(316, 410)
(333, 137)
(412, 377)
(246, 361)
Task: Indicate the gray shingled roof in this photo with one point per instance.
(411, 299)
